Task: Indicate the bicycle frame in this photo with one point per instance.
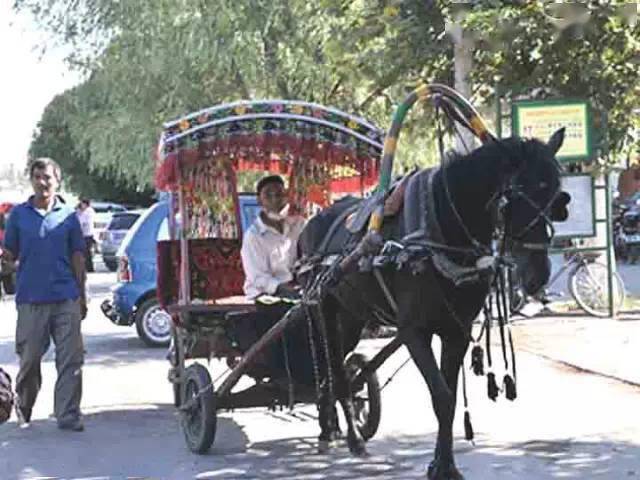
(572, 264)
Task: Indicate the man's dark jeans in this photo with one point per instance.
(88, 253)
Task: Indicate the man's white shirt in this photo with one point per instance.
(85, 217)
(268, 255)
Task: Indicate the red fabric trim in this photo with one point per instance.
(256, 152)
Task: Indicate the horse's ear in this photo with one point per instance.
(556, 140)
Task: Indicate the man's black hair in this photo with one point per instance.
(267, 180)
(42, 163)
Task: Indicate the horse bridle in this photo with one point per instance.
(498, 204)
(502, 199)
(543, 214)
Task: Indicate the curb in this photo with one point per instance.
(578, 368)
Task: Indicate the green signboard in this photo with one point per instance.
(539, 119)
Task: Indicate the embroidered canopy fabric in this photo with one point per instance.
(323, 152)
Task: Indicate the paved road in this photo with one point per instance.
(563, 425)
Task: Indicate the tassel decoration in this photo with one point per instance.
(510, 388)
(492, 386)
(477, 360)
(468, 428)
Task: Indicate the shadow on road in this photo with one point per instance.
(406, 458)
(146, 441)
(119, 442)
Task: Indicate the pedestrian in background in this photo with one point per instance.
(43, 234)
(86, 215)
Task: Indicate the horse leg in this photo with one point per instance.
(355, 441)
(327, 413)
(418, 343)
(450, 361)
(334, 336)
(327, 418)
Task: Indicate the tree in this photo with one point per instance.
(162, 59)
(588, 50)
(54, 139)
(153, 60)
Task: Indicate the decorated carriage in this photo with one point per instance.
(452, 236)
(208, 161)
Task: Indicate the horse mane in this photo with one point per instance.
(473, 179)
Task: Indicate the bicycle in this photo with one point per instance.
(587, 283)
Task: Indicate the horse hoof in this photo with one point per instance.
(358, 449)
(324, 446)
(441, 471)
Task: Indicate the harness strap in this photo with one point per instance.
(337, 222)
(385, 290)
(477, 245)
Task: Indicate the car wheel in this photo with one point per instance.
(153, 324)
(112, 265)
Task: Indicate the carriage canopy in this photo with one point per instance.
(322, 152)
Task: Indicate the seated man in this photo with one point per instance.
(269, 250)
(270, 245)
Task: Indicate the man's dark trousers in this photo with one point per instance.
(37, 324)
(88, 253)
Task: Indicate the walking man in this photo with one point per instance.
(44, 236)
(86, 213)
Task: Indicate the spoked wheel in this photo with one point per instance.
(588, 285)
(198, 410)
(366, 400)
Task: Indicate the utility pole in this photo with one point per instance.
(463, 46)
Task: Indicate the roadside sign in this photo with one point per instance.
(539, 119)
(582, 219)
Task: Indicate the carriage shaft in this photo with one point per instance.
(272, 334)
(380, 357)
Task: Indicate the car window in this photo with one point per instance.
(107, 207)
(123, 221)
(249, 209)
(163, 231)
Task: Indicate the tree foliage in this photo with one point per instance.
(149, 61)
(54, 138)
(588, 50)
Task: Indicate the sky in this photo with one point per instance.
(27, 82)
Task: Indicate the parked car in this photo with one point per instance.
(5, 211)
(7, 271)
(111, 238)
(104, 212)
(134, 299)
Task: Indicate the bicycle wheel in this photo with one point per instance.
(588, 286)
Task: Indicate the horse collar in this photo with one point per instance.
(458, 274)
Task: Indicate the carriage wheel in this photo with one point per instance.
(366, 400)
(198, 410)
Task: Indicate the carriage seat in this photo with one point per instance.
(215, 266)
(392, 204)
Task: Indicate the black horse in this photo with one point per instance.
(510, 185)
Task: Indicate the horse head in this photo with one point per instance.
(533, 200)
